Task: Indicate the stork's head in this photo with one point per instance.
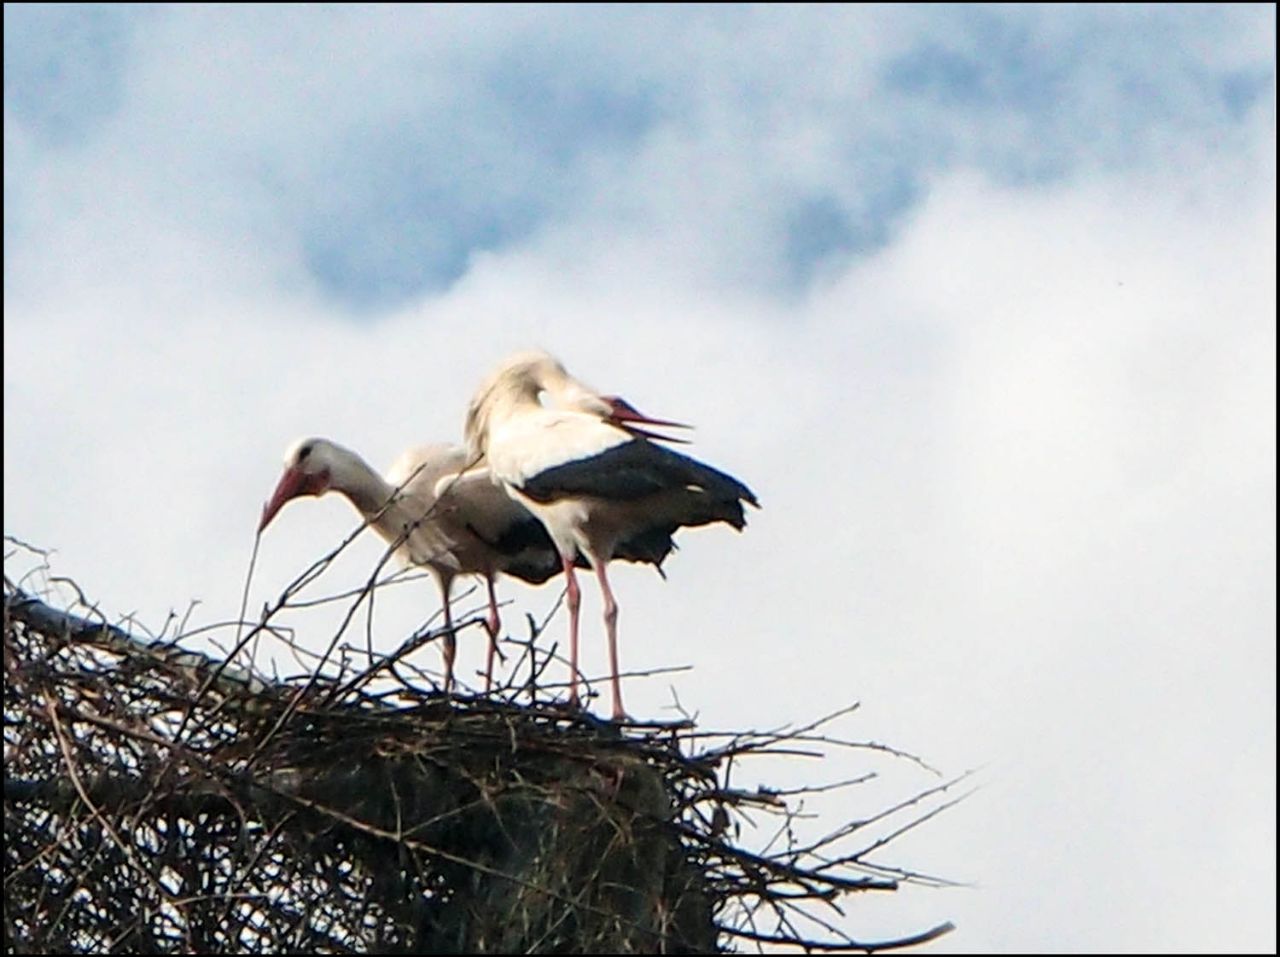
(523, 378)
(519, 380)
(309, 466)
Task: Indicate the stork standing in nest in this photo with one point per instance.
(450, 521)
(590, 469)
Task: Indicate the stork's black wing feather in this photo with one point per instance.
(634, 470)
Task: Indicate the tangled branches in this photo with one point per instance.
(161, 801)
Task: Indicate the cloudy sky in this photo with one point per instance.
(980, 301)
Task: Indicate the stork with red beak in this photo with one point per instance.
(590, 469)
(436, 515)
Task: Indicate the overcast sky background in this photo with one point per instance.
(980, 302)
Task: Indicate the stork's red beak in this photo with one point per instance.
(293, 483)
(625, 415)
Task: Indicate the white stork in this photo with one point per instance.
(438, 516)
(588, 470)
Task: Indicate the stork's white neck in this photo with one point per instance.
(355, 478)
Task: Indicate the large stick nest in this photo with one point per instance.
(159, 801)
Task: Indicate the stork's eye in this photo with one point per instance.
(304, 452)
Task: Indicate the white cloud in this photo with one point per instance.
(364, 152)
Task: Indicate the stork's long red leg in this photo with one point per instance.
(574, 597)
(494, 624)
(611, 626)
(450, 639)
